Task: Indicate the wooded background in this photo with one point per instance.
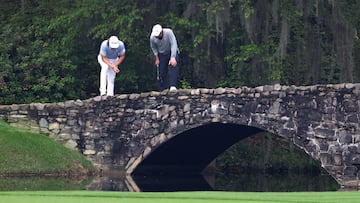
(49, 48)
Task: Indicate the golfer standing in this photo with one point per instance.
(164, 46)
(111, 55)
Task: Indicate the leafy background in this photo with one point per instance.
(49, 48)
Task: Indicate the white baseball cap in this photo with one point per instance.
(156, 30)
(114, 42)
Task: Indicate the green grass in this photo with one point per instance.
(179, 197)
(43, 183)
(22, 152)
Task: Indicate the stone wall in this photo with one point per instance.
(120, 131)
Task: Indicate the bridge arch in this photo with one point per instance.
(121, 131)
(192, 150)
(198, 154)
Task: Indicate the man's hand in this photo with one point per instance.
(157, 62)
(115, 68)
(172, 62)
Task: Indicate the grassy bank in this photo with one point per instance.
(24, 153)
(179, 197)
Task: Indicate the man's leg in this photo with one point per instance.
(103, 78)
(174, 71)
(163, 69)
(110, 82)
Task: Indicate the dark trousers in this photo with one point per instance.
(164, 67)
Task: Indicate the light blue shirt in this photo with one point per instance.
(166, 45)
(110, 53)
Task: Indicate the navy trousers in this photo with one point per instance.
(164, 67)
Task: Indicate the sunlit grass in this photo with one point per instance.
(179, 197)
(37, 183)
(23, 152)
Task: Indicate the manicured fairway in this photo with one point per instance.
(175, 197)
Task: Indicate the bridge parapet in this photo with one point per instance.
(121, 131)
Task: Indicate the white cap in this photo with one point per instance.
(156, 30)
(114, 42)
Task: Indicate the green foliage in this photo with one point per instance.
(54, 58)
(244, 54)
(38, 68)
(246, 7)
(49, 49)
(184, 84)
(268, 153)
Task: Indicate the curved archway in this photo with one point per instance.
(178, 163)
(192, 150)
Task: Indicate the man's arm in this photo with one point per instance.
(113, 66)
(173, 44)
(120, 60)
(154, 50)
(174, 48)
(157, 60)
(102, 53)
(106, 60)
(121, 57)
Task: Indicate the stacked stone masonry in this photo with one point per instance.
(120, 131)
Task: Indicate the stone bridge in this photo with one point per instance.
(124, 131)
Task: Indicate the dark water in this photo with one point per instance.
(211, 182)
(239, 182)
